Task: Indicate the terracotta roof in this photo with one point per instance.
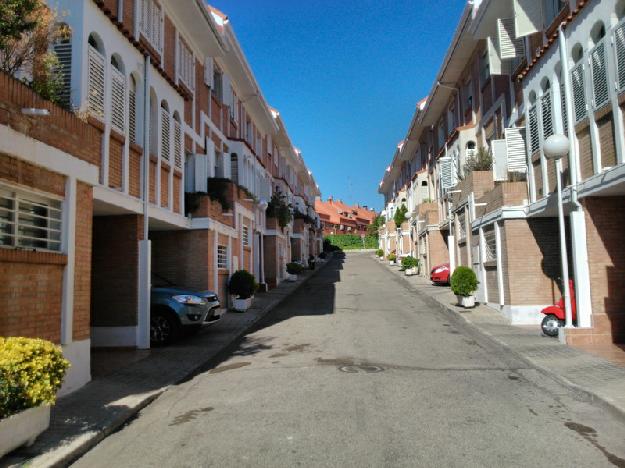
(338, 212)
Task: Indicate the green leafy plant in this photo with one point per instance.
(372, 229)
(217, 190)
(463, 281)
(482, 160)
(294, 268)
(392, 257)
(409, 262)
(31, 373)
(279, 208)
(242, 284)
(400, 216)
(379, 253)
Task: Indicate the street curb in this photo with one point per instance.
(123, 419)
(580, 391)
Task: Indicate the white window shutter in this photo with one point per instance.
(509, 46)
(227, 90)
(494, 60)
(208, 72)
(118, 99)
(446, 166)
(515, 145)
(500, 160)
(95, 98)
(528, 17)
(210, 152)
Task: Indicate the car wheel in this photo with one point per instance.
(163, 328)
(550, 325)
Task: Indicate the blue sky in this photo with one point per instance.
(346, 76)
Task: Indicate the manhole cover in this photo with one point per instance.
(364, 369)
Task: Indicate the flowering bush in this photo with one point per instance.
(31, 372)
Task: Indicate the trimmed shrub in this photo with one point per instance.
(463, 281)
(409, 262)
(379, 253)
(392, 257)
(242, 284)
(31, 372)
(351, 241)
(294, 268)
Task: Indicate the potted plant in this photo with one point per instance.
(292, 270)
(380, 254)
(409, 265)
(463, 284)
(392, 258)
(31, 372)
(242, 287)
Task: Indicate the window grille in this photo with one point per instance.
(246, 236)
(29, 221)
(96, 83)
(619, 46)
(222, 256)
(177, 144)
(165, 143)
(533, 129)
(63, 51)
(546, 114)
(599, 75)
(186, 69)
(490, 246)
(579, 94)
(118, 91)
(565, 123)
(150, 23)
(132, 115)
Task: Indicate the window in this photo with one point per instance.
(95, 98)
(118, 94)
(165, 137)
(63, 51)
(177, 140)
(246, 236)
(490, 245)
(132, 110)
(484, 67)
(551, 8)
(150, 23)
(186, 64)
(29, 221)
(217, 88)
(222, 256)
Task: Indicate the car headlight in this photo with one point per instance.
(189, 299)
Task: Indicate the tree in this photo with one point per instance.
(372, 229)
(27, 29)
(400, 216)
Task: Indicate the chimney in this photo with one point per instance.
(330, 198)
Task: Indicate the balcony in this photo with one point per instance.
(476, 182)
(504, 194)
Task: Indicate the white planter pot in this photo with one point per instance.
(242, 305)
(466, 301)
(23, 428)
(381, 258)
(290, 277)
(411, 271)
(391, 263)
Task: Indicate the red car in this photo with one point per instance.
(440, 274)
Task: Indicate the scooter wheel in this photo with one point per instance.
(550, 325)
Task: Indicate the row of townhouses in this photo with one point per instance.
(515, 73)
(163, 159)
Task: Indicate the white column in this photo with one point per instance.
(580, 267)
(69, 247)
(143, 288)
(215, 263)
(499, 264)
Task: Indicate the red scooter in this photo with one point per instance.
(554, 315)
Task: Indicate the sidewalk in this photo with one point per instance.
(80, 420)
(590, 376)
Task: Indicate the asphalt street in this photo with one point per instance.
(355, 370)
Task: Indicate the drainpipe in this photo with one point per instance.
(143, 313)
(576, 217)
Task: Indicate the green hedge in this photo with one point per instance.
(352, 242)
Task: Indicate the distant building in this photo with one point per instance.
(338, 218)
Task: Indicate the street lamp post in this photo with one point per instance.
(555, 148)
